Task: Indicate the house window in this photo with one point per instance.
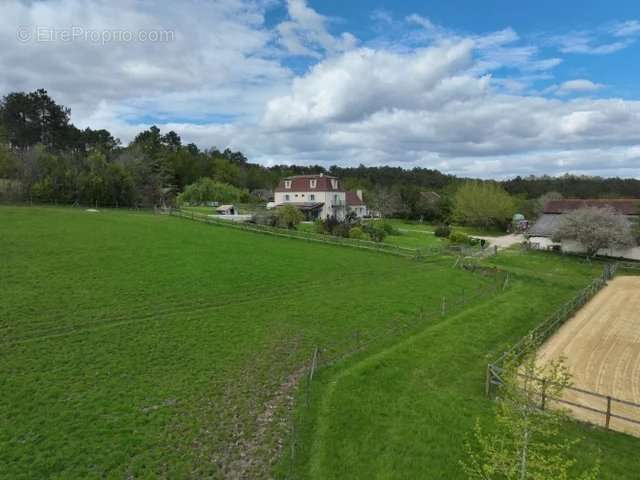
(286, 198)
(334, 183)
(335, 199)
(287, 184)
(313, 183)
(312, 197)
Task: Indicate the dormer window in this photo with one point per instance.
(313, 183)
(287, 184)
(334, 183)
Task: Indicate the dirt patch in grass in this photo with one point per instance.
(240, 433)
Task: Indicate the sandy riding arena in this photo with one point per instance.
(601, 344)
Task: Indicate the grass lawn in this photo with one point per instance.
(134, 345)
(410, 236)
(244, 208)
(403, 412)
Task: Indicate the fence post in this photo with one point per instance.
(444, 306)
(544, 393)
(487, 382)
(314, 363)
(608, 419)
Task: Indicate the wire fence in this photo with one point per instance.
(415, 253)
(584, 404)
(324, 356)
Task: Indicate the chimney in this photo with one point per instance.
(359, 195)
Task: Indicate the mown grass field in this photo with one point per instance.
(404, 412)
(135, 345)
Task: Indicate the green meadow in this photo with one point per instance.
(406, 411)
(146, 346)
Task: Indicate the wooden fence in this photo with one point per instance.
(417, 253)
(324, 356)
(613, 408)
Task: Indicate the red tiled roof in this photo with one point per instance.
(353, 200)
(302, 183)
(626, 206)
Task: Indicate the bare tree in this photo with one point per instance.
(387, 202)
(542, 200)
(595, 229)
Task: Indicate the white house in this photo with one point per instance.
(319, 196)
(540, 235)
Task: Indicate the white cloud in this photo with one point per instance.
(579, 86)
(591, 42)
(626, 29)
(305, 33)
(424, 22)
(364, 81)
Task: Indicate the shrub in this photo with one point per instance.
(459, 237)
(375, 232)
(442, 231)
(288, 216)
(265, 217)
(319, 226)
(389, 229)
(356, 232)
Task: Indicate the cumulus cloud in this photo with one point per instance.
(363, 81)
(216, 61)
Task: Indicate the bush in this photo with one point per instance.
(442, 231)
(375, 232)
(265, 217)
(357, 233)
(389, 229)
(459, 237)
(288, 216)
(320, 227)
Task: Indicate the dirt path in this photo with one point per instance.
(505, 241)
(601, 344)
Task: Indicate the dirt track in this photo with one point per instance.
(601, 344)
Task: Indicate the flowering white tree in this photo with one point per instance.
(595, 228)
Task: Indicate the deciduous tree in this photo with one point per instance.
(483, 204)
(527, 442)
(595, 229)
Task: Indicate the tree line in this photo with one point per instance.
(45, 158)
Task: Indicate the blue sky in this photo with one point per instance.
(535, 22)
(488, 89)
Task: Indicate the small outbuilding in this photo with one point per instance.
(227, 210)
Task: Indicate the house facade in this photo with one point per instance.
(319, 196)
(540, 235)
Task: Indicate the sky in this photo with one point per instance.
(489, 89)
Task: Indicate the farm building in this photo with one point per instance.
(540, 235)
(319, 196)
(227, 210)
